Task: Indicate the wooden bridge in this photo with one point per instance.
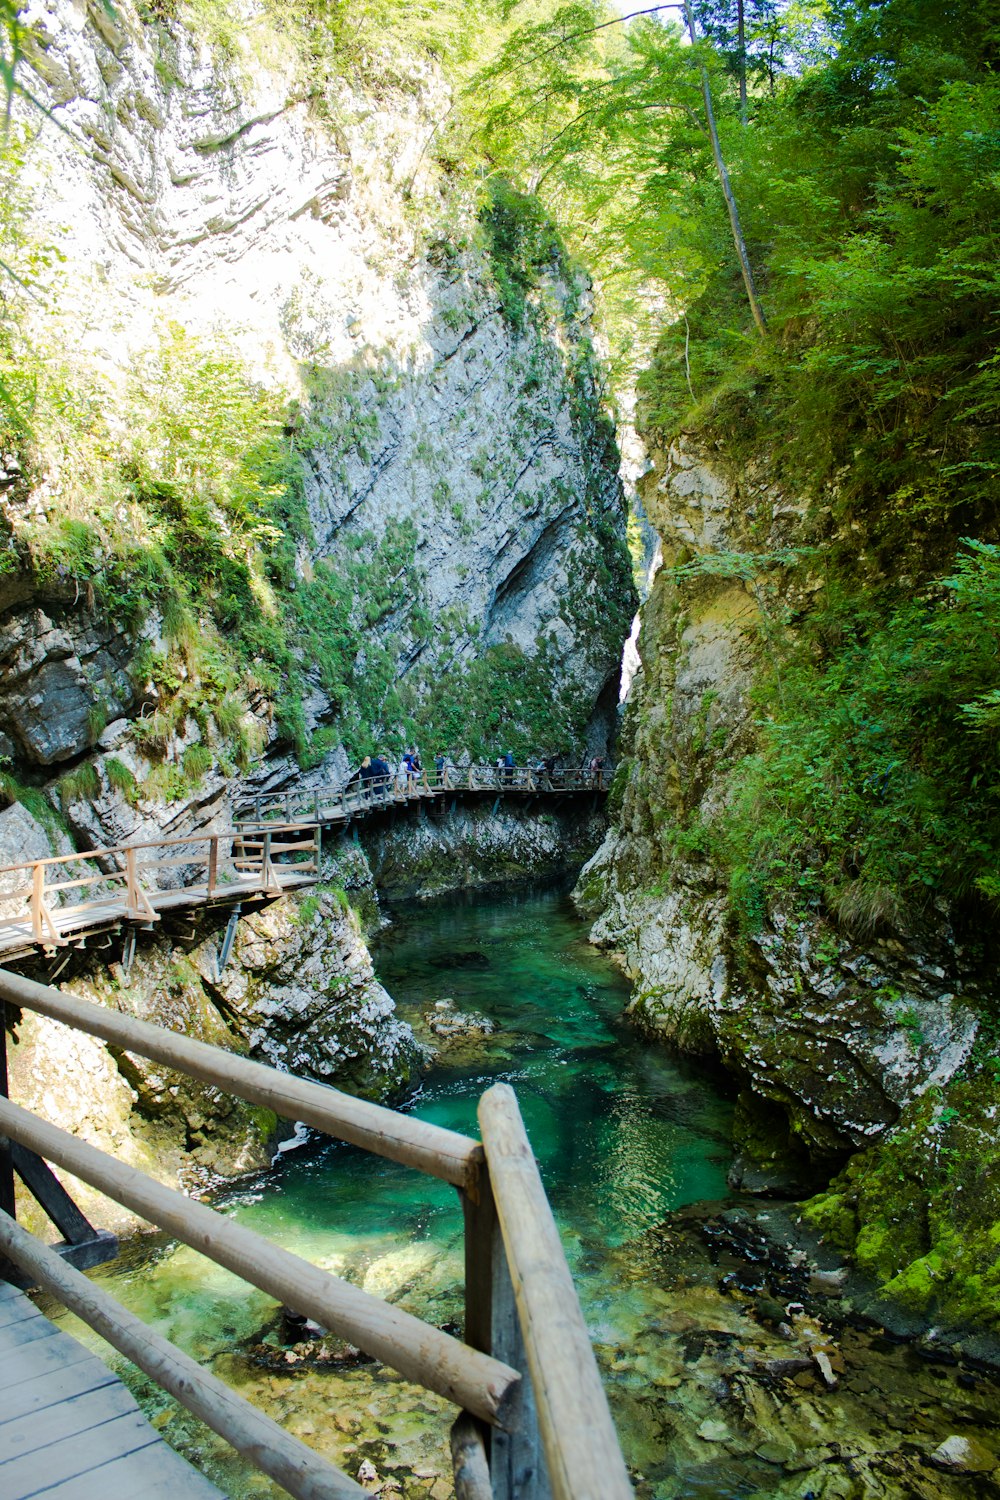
(358, 798)
(275, 846)
(532, 1421)
(60, 902)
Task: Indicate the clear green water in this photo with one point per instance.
(622, 1133)
(626, 1137)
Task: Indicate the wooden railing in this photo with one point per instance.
(359, 795)
(54, 900)
(534, 1421)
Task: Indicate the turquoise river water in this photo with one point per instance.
(715, 1393)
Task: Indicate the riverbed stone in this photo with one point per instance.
(964, 1455)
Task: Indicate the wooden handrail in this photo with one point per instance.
(553, 1438)
(304, 1474)
(86, 855)
(581, 1447)
(472, 1380)
(414, 1143)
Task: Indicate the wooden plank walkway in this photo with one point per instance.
(356, 799)
(53, 903)
(121, 885)
(69, 1430)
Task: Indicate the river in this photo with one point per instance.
(734, 1368)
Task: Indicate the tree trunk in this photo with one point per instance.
(741, 44)
(727, 192)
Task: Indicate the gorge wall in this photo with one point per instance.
(856, 1035)
(304, 456)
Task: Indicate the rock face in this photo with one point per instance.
(208, 195)
(461, 455)
(60, 682)
(474, 846)
(299, 992)
(835, 1041)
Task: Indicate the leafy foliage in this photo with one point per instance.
(872, 794)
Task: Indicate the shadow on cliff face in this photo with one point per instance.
(486, 464)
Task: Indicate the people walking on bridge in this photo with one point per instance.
(367, 772)
(381, 776)
(507, 773)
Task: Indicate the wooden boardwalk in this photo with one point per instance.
(69, 1430)
(274, 846)
(54, 903)
(353, 799)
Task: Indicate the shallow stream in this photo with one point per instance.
(734, 1364)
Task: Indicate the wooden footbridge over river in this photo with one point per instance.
(273, 846)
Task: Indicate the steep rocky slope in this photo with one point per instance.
(457, 526)
(853, 1046)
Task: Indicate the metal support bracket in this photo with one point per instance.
(128, 952)
(227, 941)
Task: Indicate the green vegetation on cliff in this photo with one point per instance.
(859, 441)
(865, 162)
(171, 497)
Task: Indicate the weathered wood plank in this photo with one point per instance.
(155, 1473)
(54, 1386)
(26, 1330)
(13, 1312)
(582, 1454)
(39, 1359)
(30, 1473)
(71, 1417)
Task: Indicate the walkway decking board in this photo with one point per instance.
(69, 1429)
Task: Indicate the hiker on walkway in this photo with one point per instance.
(366, 771)
(508, 768)
(381, 776)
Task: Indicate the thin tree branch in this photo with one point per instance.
(575, 36)
(727, 191)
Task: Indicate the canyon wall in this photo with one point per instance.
(858, 1053)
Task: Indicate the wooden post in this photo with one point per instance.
(469, 1460)
(582, 1454)
(6, 1163)
(316, 805)
(516, 1461)
(131, 884)
(213, 865)
(37, 900)
(265, 861)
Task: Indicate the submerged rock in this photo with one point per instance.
(964, 1455)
